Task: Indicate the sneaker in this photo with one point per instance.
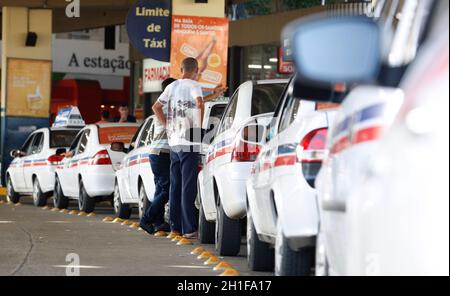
(193, 235)
(163, 227)
(148, 228)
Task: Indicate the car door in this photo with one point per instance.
(145, 170)
(17, 172)
(74, 168)
(65, 167)
(33, 153)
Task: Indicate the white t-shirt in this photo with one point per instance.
(183, 113)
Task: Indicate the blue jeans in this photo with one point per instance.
(160, 165)
(183, 191)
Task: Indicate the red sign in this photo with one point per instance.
(283, 66)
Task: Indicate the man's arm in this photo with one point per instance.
(201, 106)
(158, 110)
(216, 92)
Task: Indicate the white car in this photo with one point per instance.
(229, 160)
(282, 207)
(360, 235)
(33, 169)
(393, 220)
(87, 173)
(134, 180)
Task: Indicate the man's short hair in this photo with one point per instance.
(167, 82)
(124, 105)
(105, 114)
(189, 65)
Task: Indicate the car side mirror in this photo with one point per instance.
(328, 50)
(15, 153)
(60, 151)
(118, 147)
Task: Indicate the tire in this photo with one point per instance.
(144, 203)
(85, 202)
(228, 234)
(293, 263)
(206, 229)
(260, 255)
(11, 195)
(123, 211)
(60, 201)
(39, 198)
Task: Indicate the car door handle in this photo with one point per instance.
(334, 206)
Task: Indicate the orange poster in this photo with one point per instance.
(205, 39)
(28, 88)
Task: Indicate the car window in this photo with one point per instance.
(143, 139)
(289, 113)
(230, 113)
(215, 116)
(133, 140)
(27, 145)
(62, 138)
(75, 142)
(38, 144)
(265, 97)
(83, 141)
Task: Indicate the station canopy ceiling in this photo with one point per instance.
(94, 13)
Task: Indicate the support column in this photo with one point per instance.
(25, 77)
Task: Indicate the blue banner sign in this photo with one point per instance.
(149, 28)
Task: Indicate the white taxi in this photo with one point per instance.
(282, 207)
(134, 180)
(87, 173)
(32, 170)
(229, 160)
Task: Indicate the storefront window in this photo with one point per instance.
(261, 62)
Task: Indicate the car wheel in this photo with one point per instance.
(260, 255)
(122, 211)
(144, 203)
(292, 263)
(85, 202)
(228, 234)
(12, 195)
(60, 201)
(206, 229)
(39, 198)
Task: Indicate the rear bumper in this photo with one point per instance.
(99, 182)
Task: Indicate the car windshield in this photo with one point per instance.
(124, 134)
(62, 138)
(265, 97)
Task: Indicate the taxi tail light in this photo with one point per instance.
(55, 159)
(313, 146)
(101, 158)
(245, 152)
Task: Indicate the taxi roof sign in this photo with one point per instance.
(69, 117)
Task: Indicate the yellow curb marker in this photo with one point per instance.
(230, 272)
(91, 214)
(197, 251)
(10, 203)
(82, 214)
(74, 212)
(117, 220)
(160, 234)
(126, 223)
(64, 211)
(204, 255)
(177, 238)
(108, 219)
(56, 210)
(45, 208)
(222, 266)
(173, 234)
(184, 242)
(18, 204)
(134, 225)
(213, 260)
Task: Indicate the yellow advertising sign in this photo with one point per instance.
(205, 39)
(28, 88)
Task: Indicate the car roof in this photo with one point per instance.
(127, 124)
(272, 81)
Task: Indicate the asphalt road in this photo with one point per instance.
(34, 241)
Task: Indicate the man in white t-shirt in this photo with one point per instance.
(185, 102)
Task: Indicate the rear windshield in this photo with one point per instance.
(124, 134)
(265, 97)
(63, 138)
